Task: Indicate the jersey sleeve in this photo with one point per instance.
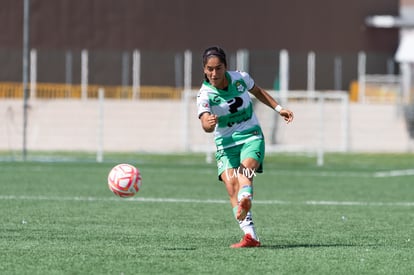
(248, 80)
(203, 103)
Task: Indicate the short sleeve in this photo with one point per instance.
(203, 104)
(248, 80)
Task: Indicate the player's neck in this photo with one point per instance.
(224, 85)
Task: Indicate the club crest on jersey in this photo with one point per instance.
(239, 86)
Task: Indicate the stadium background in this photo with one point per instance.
(351, 215)
(162, 31)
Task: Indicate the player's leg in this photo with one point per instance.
(232, 186)
(243, 213)
(228, 161)
(231, 182)
(251, 163)
(237, 181)
(246, 172)
(252, 158)
(237, 178)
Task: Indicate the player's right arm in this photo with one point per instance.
(208, 121)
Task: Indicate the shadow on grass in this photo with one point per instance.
(280, 246)
(179, 248)
(290, 246)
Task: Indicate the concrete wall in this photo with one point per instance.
(160, 126)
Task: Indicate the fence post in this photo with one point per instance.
(187, 69)
(100, 133)
(284, 71)
(362, 60)
(321, 147)
(68, 74)
(136, 74)
(242, 60)
(338, 73)
(311, 72)
(33, 73)
(26, 46)
(84, 74)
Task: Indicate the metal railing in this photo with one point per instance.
(61, 91)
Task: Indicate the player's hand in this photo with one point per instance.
(212, 120)
(287, 115)
(209, 122)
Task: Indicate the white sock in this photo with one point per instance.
(247, 226)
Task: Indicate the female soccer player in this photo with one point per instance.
(225, 107)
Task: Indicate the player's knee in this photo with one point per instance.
(247, 171)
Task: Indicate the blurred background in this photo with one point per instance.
(122, 75)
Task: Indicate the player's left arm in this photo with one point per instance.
(263, 96)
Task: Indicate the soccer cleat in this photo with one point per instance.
(244, 207)
(247, 241)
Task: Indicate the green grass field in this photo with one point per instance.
(354, 215)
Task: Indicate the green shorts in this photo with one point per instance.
(233, 156)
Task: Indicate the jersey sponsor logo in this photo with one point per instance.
(216, 99)
(236, 114)
(238, 117)
(234, 104)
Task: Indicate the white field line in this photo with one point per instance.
(206, 201)
(360, 174)
(394, 173)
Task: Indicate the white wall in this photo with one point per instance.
(157, 126)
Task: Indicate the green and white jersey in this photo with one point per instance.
(237, 123)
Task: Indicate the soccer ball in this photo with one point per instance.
(124, 180)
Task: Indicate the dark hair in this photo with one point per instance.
(214, 51)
